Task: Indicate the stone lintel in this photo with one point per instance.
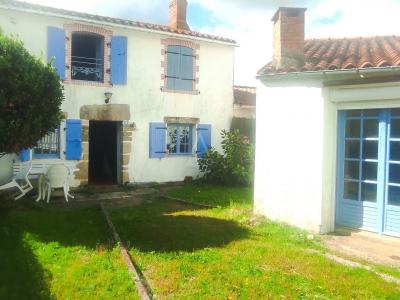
(181, 120)
(106, 112)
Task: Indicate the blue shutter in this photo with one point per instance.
(74, 140)
(187, 72)
(56, 49)
(173, 69)
(158, 140)
(187, 66)
(119, 49)
(203, 138)
(25, 155)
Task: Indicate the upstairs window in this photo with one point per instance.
(179, 139)
(87, 57)
(48, 146)
(180, 75)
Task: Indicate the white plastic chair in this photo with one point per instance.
(22, 176)
(57, 177)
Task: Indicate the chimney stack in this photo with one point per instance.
(288, 37)
(177, 14)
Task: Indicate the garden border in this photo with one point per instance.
(137, 276)
(189, 202)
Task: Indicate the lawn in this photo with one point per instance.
(49, 253)
(187, 252)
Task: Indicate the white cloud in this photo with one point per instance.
(248, 21)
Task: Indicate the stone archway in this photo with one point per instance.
(108, 112)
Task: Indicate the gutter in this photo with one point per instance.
(332, 74)
(111, 24)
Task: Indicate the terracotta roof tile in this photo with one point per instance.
(345, 53)
(157, 27)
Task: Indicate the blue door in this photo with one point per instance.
(391, 213)
(368, 194)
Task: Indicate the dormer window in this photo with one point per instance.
(87, 57)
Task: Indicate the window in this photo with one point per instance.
(87, 57)
(179, 139)
(180, 68)
(48, 146)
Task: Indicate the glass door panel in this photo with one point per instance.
(391, 220)
(357, 205)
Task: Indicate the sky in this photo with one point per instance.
(249, 21)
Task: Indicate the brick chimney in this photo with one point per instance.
(288, 37)
(177, 14)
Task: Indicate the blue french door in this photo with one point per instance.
(368, 193)
(391, 217)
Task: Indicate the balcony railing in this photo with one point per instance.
(87, 68)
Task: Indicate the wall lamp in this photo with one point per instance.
(108, 96)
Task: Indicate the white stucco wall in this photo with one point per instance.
(147, 103)
(289, 155)
(296, 148)
(244, 111)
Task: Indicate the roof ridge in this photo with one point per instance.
(351, 38)
(128, 22)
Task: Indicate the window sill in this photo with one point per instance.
(166, 90)
(181, 155)
(87, 83)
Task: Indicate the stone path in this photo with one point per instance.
(365, 246)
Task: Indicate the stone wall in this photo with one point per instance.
(126, 149)
(83, 174)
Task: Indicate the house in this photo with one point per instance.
(142, 100)
(244, 111)
(244, 105)
(328, 154)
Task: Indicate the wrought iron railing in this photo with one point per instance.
(86, 68)
(48, 146)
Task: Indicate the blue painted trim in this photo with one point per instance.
(339, 163)
(383, 149)
(391, 213)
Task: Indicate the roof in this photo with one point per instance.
(19, 5)
(245, 95)
(345, 54)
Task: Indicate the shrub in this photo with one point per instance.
(235, 166)
(30, 97)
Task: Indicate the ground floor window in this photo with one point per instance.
(179, 139)
(48, 146)
(369, 170)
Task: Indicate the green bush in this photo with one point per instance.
(235, 166)
(30, 97)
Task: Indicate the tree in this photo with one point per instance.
(30, 97)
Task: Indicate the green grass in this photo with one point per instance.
(59, 254)
(190, 253)
(214, 195)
